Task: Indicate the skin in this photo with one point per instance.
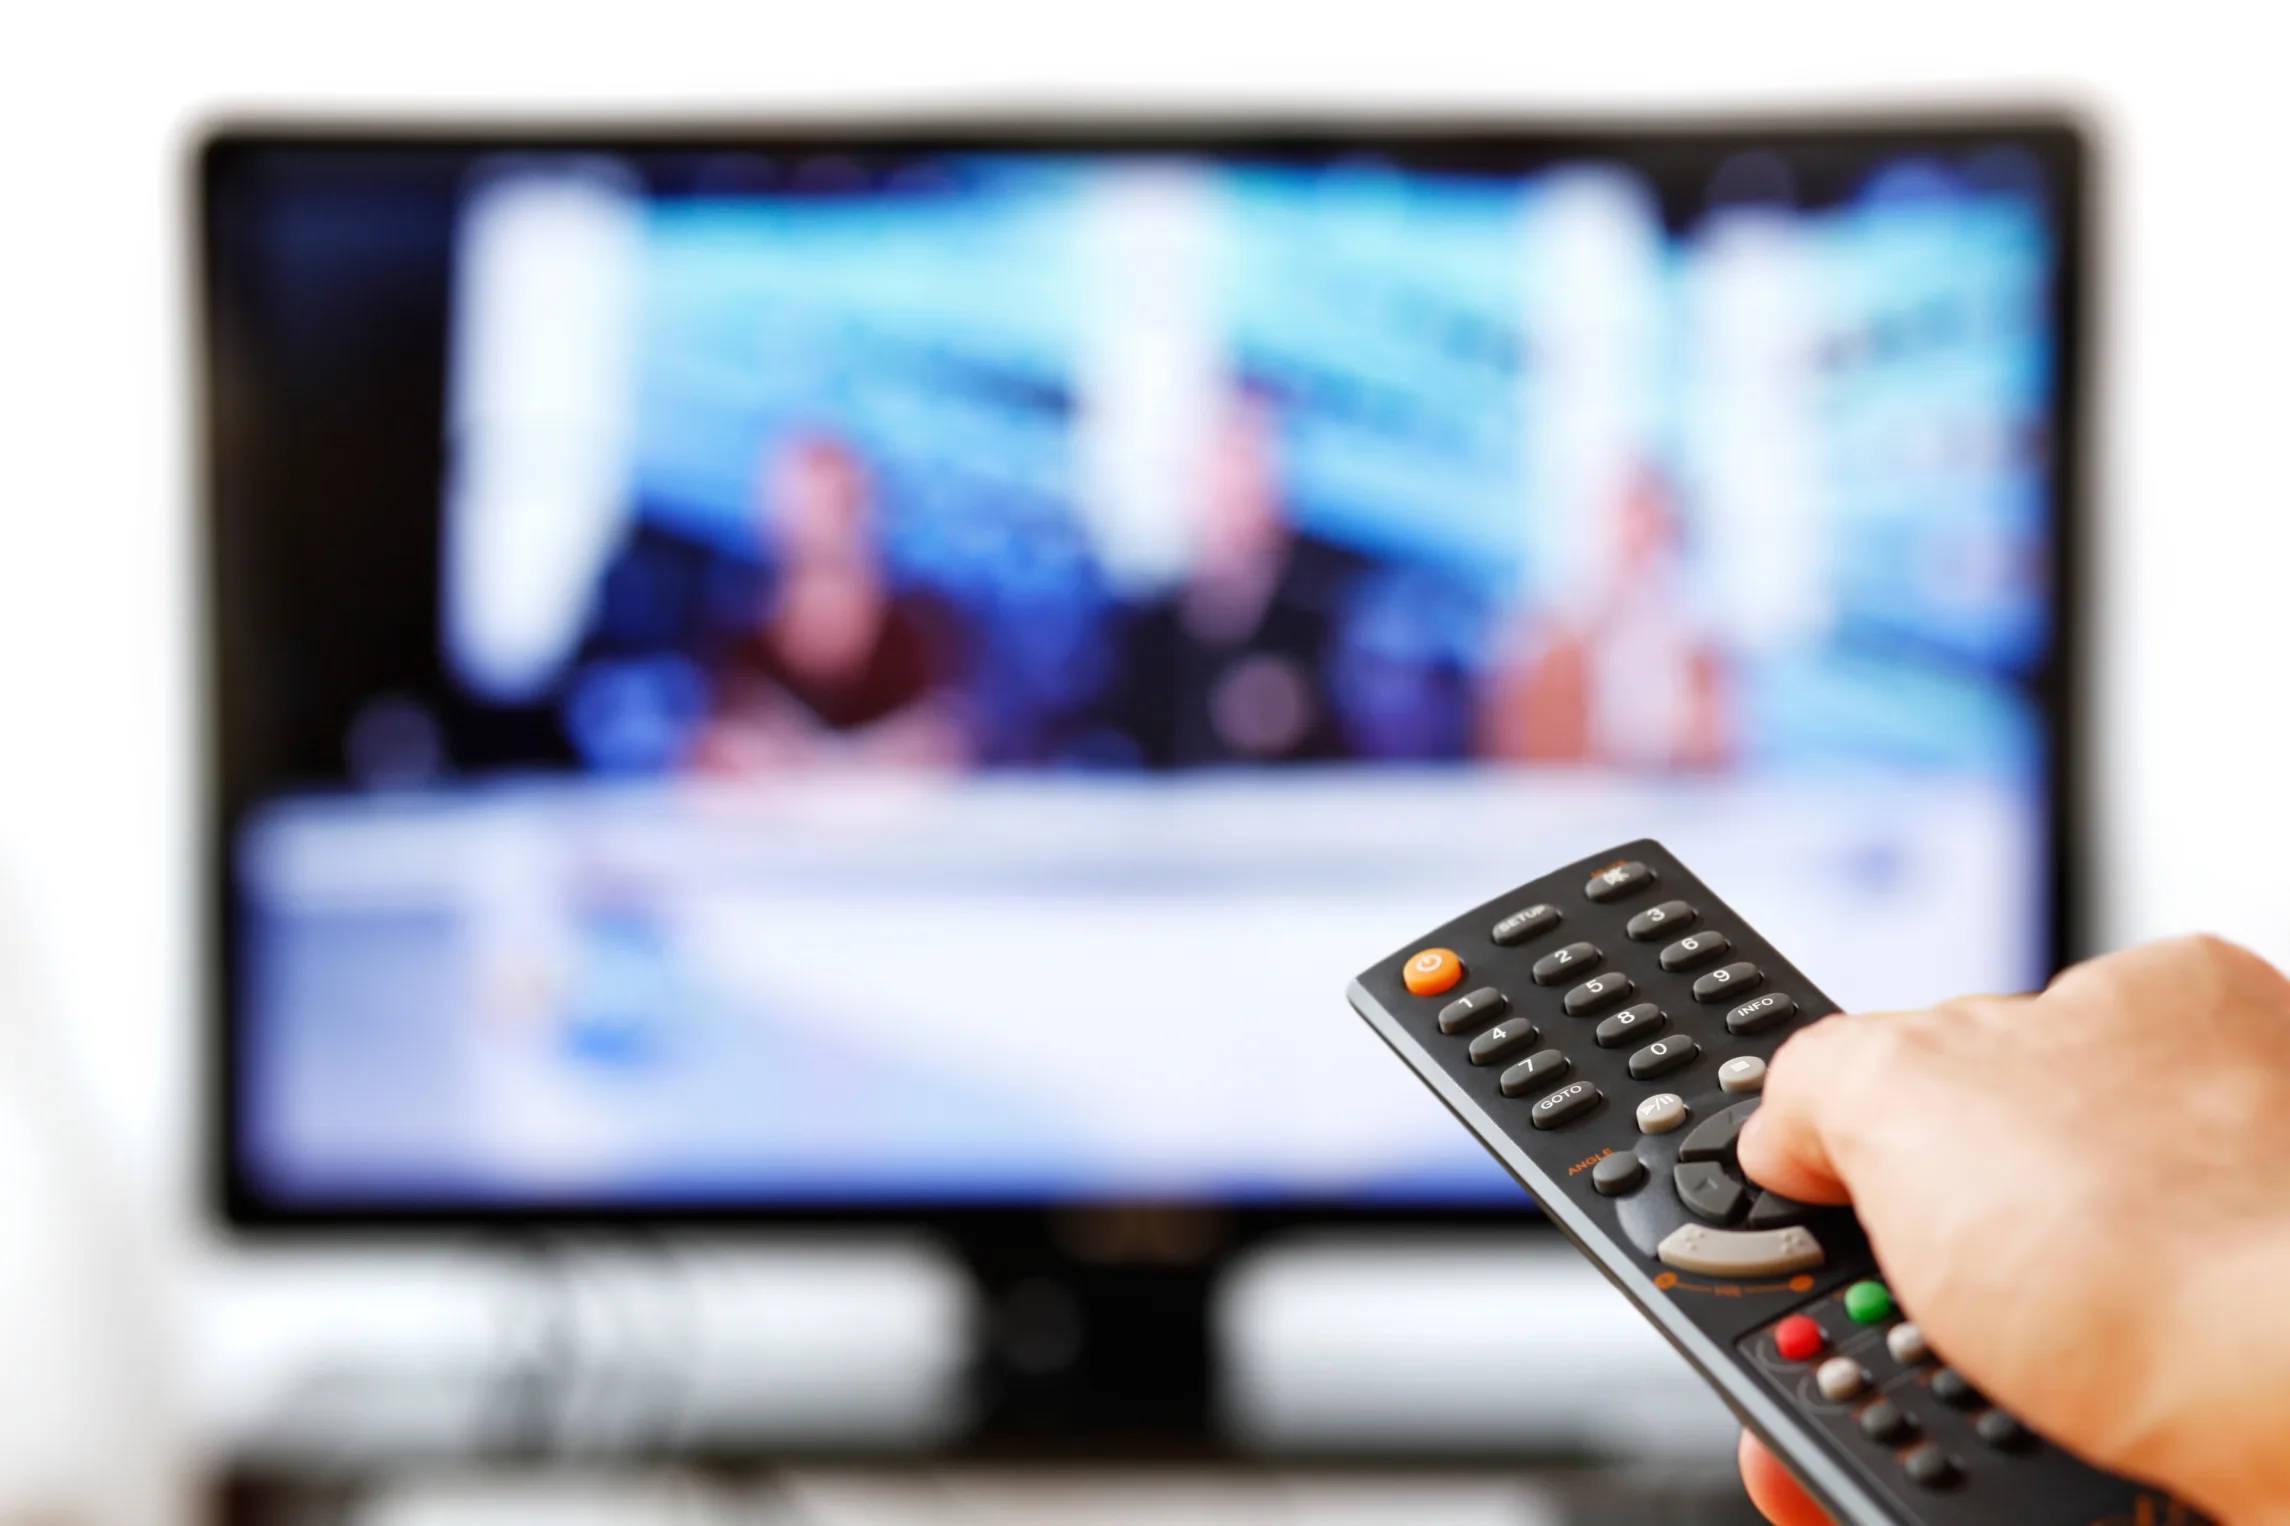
(2084, 1199)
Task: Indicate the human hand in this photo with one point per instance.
(2084, 1199)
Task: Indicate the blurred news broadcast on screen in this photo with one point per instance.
(945, 668)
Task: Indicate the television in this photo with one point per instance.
(842, 671)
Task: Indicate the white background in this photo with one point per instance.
(97, 105)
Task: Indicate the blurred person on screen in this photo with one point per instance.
(1626, 675)
(1232, 665)
(835, 666)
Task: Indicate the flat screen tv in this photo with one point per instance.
(834, 671)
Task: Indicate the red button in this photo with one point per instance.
(1798, 1339)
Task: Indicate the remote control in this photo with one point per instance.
(1604, 1030)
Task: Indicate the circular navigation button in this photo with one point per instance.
(1433, 971)
(1868, 1303)
(1798, 1339)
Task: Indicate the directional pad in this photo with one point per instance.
(1714, 1137)
(1709, 1194)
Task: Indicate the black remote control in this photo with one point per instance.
(1604, 1031)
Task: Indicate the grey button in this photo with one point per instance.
(1597, 994)
(1564, 1105)
(1502, 1041)
(1773, 1211)
(1713, 1138)
(1663, 1056)
(1661, 1113)
(1727, 982)
(1470, 1011)
(1768, 1011)
(1612, 884)
(1619, 1174)
(1740, 1252)
(1928, 1466)
(1524, 923)
(1534, 1073)
(1566, 963)
(1628, 1024)
(1885, 1421)
(1955, 1390)
(1709, 1193)
(1907, 1344)
(2004, 1432)
(1654, 921)
(1694, 951)
(1743, 1073)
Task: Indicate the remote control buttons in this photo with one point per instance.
(1928, 1466)
(1433, 972)
(1740, 1252)
(1840, 1378)
(1773, 1211)
(1886, 1422)
(1709, 1193)
(1566, 963)
(1597, 994)
(1726, 982)
(1907, 1344)
(1661, 1113)
(1955, 1390)
(1523, 924)
(1714, 1137)
(1502, 1041)
(1691, 953)
(1534, 1073)
(1612, 884)
(1868, 1303)
(2004, 1432)
(1768, 1011)
(1618, 1174)
(1663, 1056)
(1798, 1339)
(1469, 1011)
(1628, 1024)
(1742, 1073)
(1656, 921)
(1564, 1105)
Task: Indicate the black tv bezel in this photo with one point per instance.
(2061, 138)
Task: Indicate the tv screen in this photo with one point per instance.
(798, 672)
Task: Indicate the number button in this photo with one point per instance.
(1628, 1024)
(1502, 1041)
(1596, 995)
(1575, 957)
(1694, 952)
(1724, 983)
(1654, 921)
(1663, 1056)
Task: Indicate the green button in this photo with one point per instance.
(1868, 1303)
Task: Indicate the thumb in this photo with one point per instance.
(1786, 1145)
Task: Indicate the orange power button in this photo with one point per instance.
(1433, 971)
